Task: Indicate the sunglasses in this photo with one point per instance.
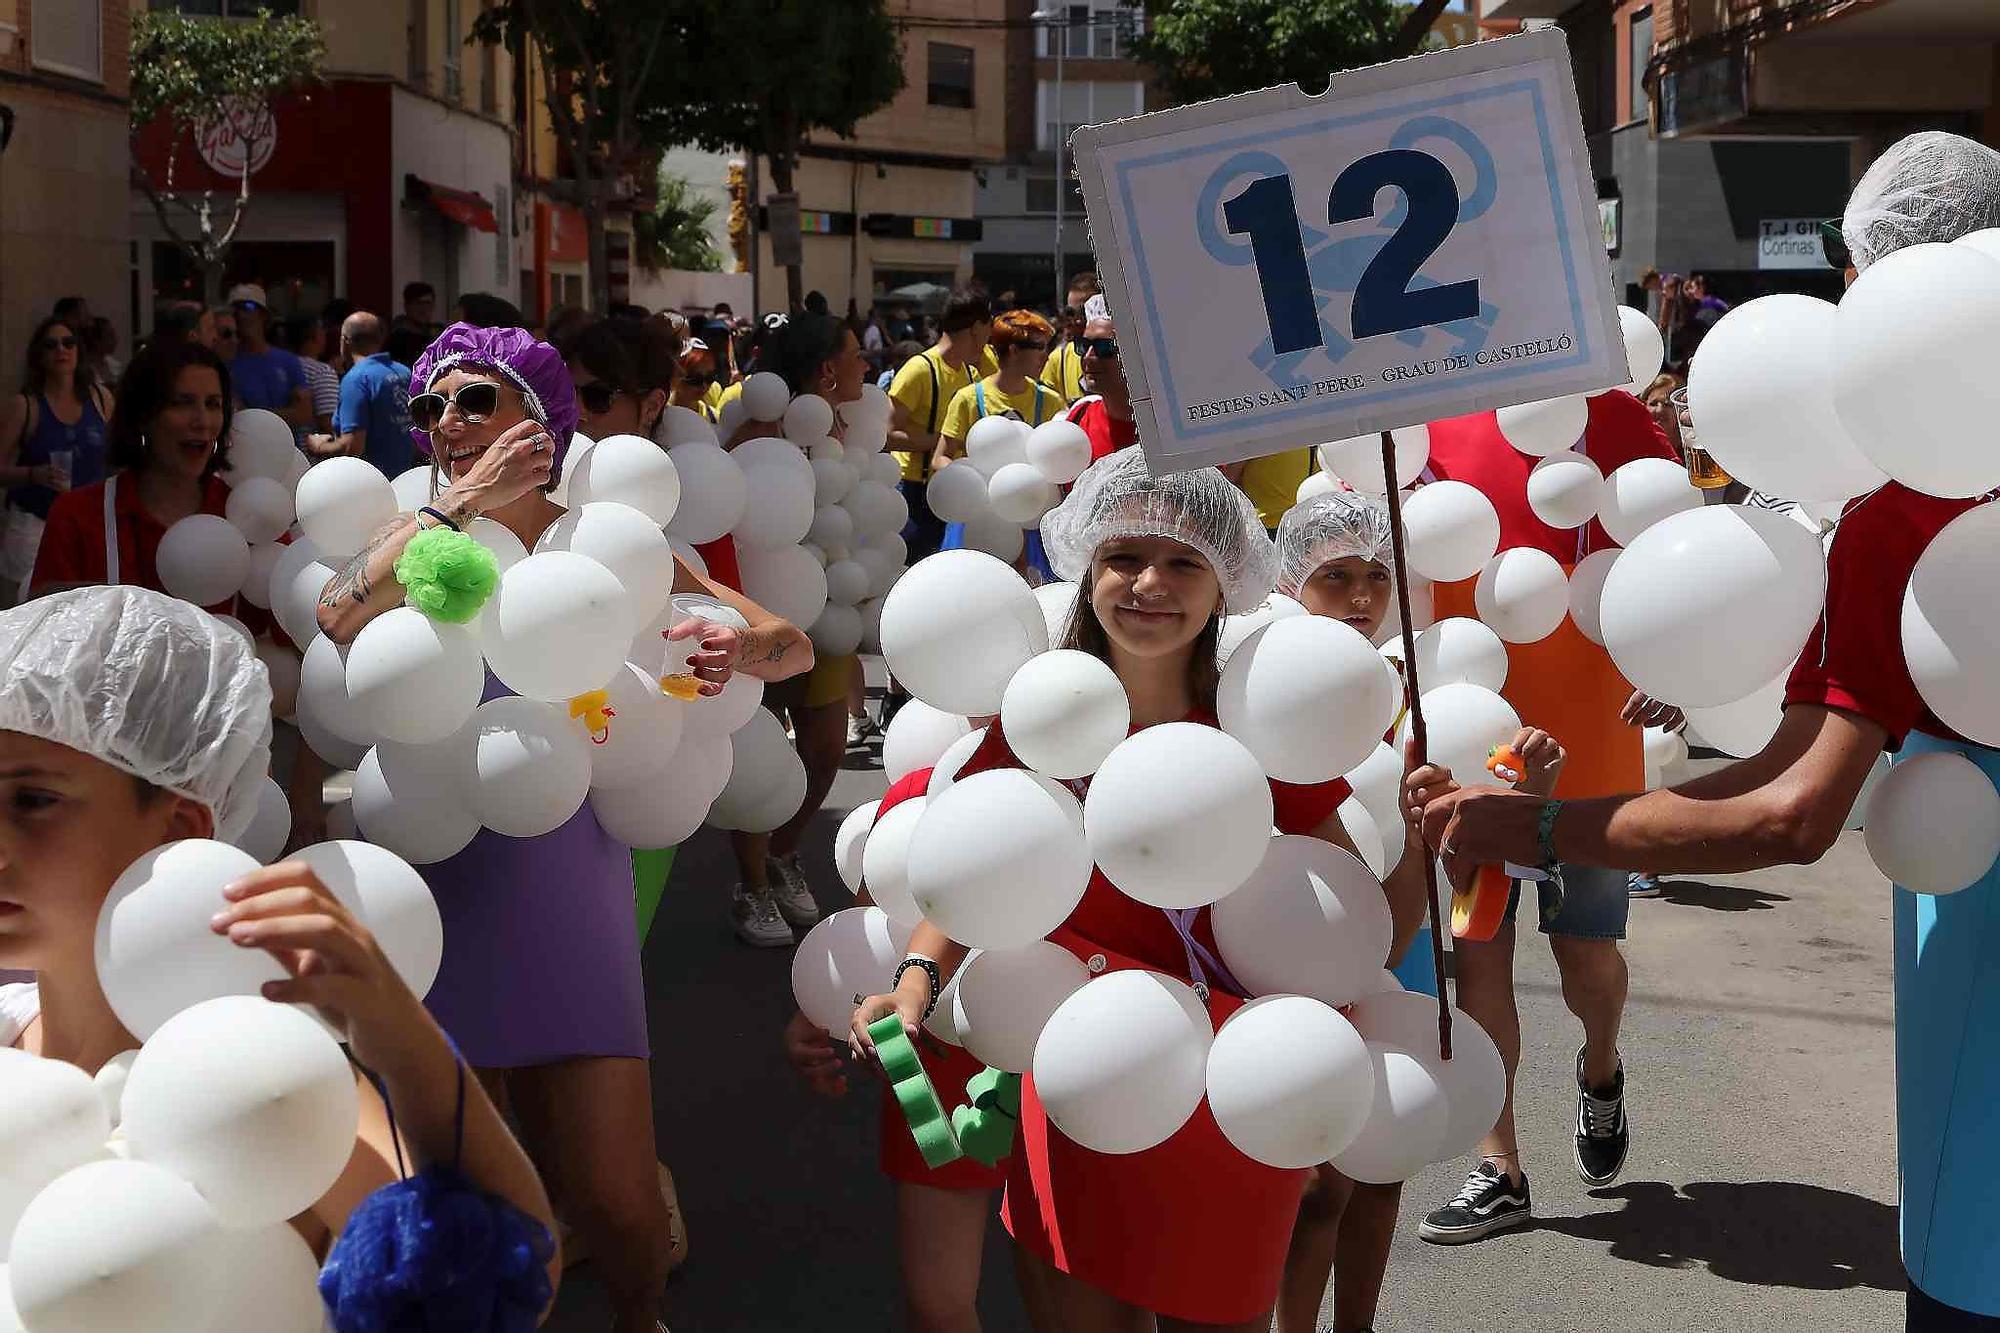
(476, 400)
(67, 343)
(597, 397)
(1835, 245)
(1104, 349)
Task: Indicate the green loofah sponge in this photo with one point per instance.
(447, 575)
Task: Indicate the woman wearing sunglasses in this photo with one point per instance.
(540, 984)
(51, 439)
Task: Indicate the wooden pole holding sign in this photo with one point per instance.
(1419, 734)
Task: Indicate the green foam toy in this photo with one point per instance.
(985, 1128)
(914, 1093)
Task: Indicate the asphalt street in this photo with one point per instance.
(1759, 1195)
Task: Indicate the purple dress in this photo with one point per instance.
(541, 946)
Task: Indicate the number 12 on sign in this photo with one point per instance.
(1267, 213)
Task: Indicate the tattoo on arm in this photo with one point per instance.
(756, 647)
(353, 583)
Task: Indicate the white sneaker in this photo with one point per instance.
(757, 922)
(790, 891)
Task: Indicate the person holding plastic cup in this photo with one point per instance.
(129, 720)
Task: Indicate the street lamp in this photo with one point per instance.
(1058, 19)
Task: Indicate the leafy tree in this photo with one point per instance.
(768, 73)
(675, 234)
(198, 76)
(1201, 49)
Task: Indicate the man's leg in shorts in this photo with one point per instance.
(1583, 932)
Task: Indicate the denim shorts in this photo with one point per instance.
(1592, 904)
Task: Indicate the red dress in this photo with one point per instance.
(1192, 1228)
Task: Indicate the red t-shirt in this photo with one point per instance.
(1854, 659)
(1472, 450)
(1107, 434)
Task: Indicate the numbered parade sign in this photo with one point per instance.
(1420, 241)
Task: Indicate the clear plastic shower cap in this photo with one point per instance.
(1931, 186)
(148, 684)
(1200, 509)
(1330, 527)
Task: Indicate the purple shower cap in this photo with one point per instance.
(523, 360)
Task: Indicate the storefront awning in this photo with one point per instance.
(465, 207)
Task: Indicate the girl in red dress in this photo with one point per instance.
(1190, 1231)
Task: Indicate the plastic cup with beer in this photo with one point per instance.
(1703, 471)
(677, 679)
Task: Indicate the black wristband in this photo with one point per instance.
(930, 970)
(438, 514)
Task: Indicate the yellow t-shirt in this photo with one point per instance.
(1035, 404)
(925, 387)
(714, 396)
(1063, 371)
(724, 397)
(1273, 483)
(989, 362)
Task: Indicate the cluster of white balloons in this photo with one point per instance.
(1177, 816)
(156, 1196)
(1010, 476)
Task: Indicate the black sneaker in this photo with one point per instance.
(1602, 1135)
(1487, 1203)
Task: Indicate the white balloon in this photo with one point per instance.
(413, 488)
(109, 1084)
(1564, 489)
(832, 480)
(339, 754)
(872, 405)
(851, 841)
(1378, 784)
(1019, 493)
(774, 807)
(784, 580)
(1059, 450)
(1914, 340)
(1122, 1064)
(1474, 1079)
(1465, 723)
(154, 950)
(1308, 696)
(847, 582)
(831, 526)
(837, 632)
(761, 762)
(251, 1102)
(1742, 727)
(1237, 629)
(260, 509)
(1522, 594)
(1450, 531)
(1063, 712)
(958, 494)
(1710, 604)
(1310, 921)
(729, 418)
(1459, 650)
(1315, 485)
(955, 757)
(629, 470)
(1950, 640)
(413, 799)
(531, 767)
(682, 425)
(202, 559)
(410, 678)
(1666, 751)
(273, 1283)
(865, 439)
(1586, 592)
(1934, 823)
(1408, 1119)
(843, 959)
(119, 1247)
(1058, 603)
(1542, 428)
(879, 509)
(1857, 816)
(1641, 493)
(995, 536)
(994, 442)
(626, 542)
(1366, 835)
(1005, 997)
(261, 444)
(885, 860)
(957, 627)
(808, 418)
(720, 716)
(713, 491)
(1358, 461)
(557, 626)
(342, 502)
(1289, 1081)
(688, 556)
(270, 826)
(884, 469)
(998, 859)
(765, 396)
(258, 567)
(297, 581)
(51, 1120)
(1178, 815)
(1645, 348)
(284, 668)
(777, 509)
(666, 813)
(1761, 398)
